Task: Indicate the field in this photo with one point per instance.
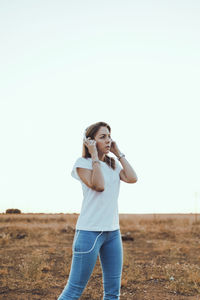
(161, 261)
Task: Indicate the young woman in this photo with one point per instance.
(97, 229)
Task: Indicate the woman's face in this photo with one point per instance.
(103, 140)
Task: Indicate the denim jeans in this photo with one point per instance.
(87, 246)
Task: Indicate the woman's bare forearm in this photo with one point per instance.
(128, 169)
(97, 176)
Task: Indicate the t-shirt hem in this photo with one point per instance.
(97, 228)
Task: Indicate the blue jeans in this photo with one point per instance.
(87, 245)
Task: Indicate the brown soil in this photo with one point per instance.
(161, 257)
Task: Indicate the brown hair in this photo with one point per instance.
(91, 131)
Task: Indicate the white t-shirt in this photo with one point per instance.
(99, 211)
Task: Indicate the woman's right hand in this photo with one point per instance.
(91, 145)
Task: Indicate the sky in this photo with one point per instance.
(68, 64)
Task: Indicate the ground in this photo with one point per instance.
(161, 261)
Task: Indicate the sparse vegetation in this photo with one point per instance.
(161, 257)
(13, 211)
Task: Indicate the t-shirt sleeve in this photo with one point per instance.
(81, 162)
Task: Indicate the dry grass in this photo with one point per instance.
(162, 262)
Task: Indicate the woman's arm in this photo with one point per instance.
(92, 178)
(97, 178)
(127, 174)
(86, 176)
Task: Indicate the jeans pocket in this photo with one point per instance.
(75, 237)
(85, 241)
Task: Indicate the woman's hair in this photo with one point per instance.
(91, 131)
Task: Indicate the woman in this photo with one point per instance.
(97, 228)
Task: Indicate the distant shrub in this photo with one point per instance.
(13, 211)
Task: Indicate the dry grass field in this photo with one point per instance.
(162, 261)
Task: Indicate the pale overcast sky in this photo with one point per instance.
(67, 64)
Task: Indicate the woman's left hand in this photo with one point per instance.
(114, 148)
